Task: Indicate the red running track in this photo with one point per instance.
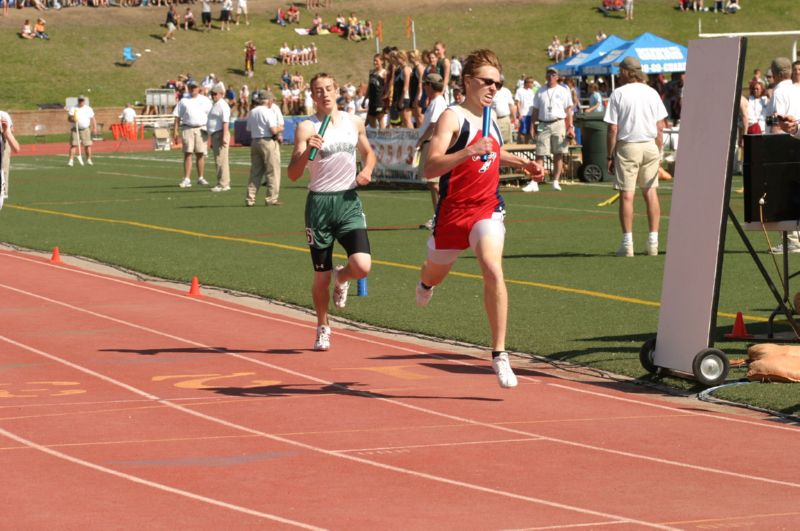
(128, 404)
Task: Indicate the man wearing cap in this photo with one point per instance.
(191, 118)
(219, 119)
(433, 85)
(83, 118)
(635, 118)
(785, 103)
(552, 107)
(265, 123)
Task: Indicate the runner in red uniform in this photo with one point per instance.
(471, 210)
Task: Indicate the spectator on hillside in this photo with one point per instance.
(732, 7)
(27, 32)
(629, 9)
(293, 14)
(188, 19)
(241, 9)
(225, 15)
(249, 58)
(280, 17)
(312, 54)
(39, 29)
(353, 28)
(205, 15)
(316, 25)
(367, 31)
(600, 36)
(171, 23)
(555, 51)
(243, 106)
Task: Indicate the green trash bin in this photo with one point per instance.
(594, 146)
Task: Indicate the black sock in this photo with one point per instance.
(425, 286)
(496, 353)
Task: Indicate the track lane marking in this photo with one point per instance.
(273, 437)
(418, 408)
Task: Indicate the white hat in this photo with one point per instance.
(219, 88)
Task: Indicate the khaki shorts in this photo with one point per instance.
(195, 140)
(85, 137)
(636, 163)
(552, 140)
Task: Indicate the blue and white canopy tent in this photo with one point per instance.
(657, 55)
(570, 66)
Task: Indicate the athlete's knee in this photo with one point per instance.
(360, 264)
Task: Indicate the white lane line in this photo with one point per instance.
(152, 484)
(291, 442)
(439, 445)
(362, 338)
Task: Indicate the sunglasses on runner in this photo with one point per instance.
(489, 82)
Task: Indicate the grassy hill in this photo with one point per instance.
(85, 48)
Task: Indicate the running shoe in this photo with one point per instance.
(423, 295)
(532, 186)
(323, 341)
(651, 249)
(186, 183)
(219, 188)
(556, 186)
(339, 289)
(202, 181)
(502, 368)
(625, 249)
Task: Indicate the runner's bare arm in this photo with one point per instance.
(368, 159)
(304, 139)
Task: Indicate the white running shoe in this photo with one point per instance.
(502, 368)
(778, 249)
(323, 341)
(532, 186)
(423, 295)
(89, 162)
(70, 164)
(219, 188)
(339, 290)
(651, 249)
(186, 183)
(625, 249)
(556, 186)
(80, 160)
(202, 181)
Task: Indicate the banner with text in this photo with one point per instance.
(394, 149)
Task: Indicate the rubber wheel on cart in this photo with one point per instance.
(646, 356)
(710, 367)
(591, 173)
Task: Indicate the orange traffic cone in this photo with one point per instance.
(194, 291)
(56, 258)
(739, 330)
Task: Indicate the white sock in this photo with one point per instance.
(652, 237)
(627, 237)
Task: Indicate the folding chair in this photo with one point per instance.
(128, 56)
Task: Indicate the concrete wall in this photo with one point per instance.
(55, 120)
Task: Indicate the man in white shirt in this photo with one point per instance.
(265, 123)
(552, 107)
(85, 125)
(506, 110)
(191, 118)
(433, 85)
(128, 121)
(241, 9)
(219, 119)
(785, 102)
(635, 118)
(8, 143)
(524, 101)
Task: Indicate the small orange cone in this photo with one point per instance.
(56, 258)
(194, 291)
(739, 330)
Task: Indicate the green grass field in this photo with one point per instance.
(85, 48)
(570, 298)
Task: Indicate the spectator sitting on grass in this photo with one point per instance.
(293, 14)
(316, 25)
(280, 17)
(732, 7)
(188, 19)
(367, 30)
(26, 32)
(39, 29)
